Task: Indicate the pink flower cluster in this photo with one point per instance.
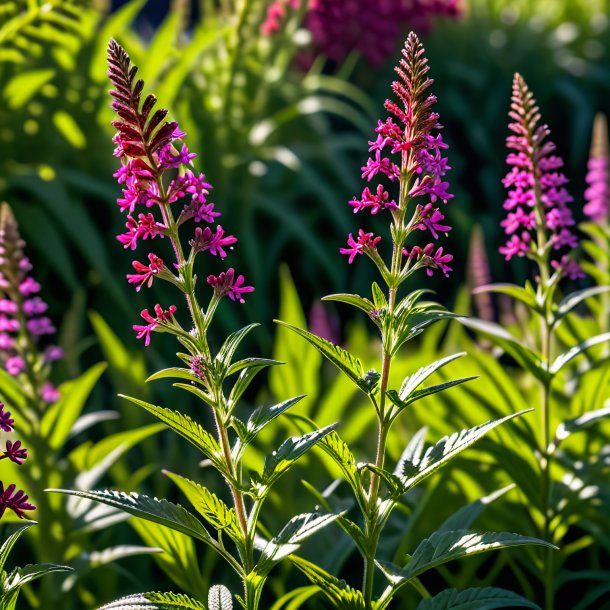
(371, 28)
(151, 148)
(277, 13)
(23, 322)
(17, 501)
(597, 194)
(419, 164)
(537, 201)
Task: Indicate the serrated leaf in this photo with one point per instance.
(412, 453)
(524, 356)
(21, 576)
(338, 591)
(154, 601)
(379, 298)
(225, 354)
(263, 415)
(187, 428)
(564, 358)
(352, 299)
(412, 382)
(442, 547)
(158, 511)
(343, 360)
(339, 451)
(445, 450)
(219, 598)
(485, 598)
(287, 541)
(249, 362)
(248, 373)
(209, 506)
(174, 372)
(290, 451)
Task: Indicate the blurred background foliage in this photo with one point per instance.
(282, 132)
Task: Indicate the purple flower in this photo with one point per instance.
(6, 421)
(49, 393)
(161, 316)
(145, 273)
(536, 192)
(227, 284)
(29, 286)
(15, 501)
(205, 240)
(359, 246)
(34, 307)
(40, 326)
(15, 452)
(14, 365)
(597, 194)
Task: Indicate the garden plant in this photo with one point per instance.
(447, 449)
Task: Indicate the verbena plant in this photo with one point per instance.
(51, 422)
(540, 227)
(377, 488)
(152, 149)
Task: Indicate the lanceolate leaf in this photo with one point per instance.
(338, 450)
(485, 598)
(562, 360)
(263, 415)
(338, 592)
(411, 456)
(163, 512)
(514, 347)
(225, 354)
(175, 372)
(155, 601)
(352, 299)
(512, 290)
(445, 450)
(9, 543)
(580, 423)
(343, 360)
(245, 378)
(187, 428)
(209, 506)
(291, 450)
(567, 304)
(21, 576)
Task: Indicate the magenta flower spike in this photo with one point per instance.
(161, 193)
(539, 222)
(17, 501)
(408, 160)
(597, 195)
(23, 323)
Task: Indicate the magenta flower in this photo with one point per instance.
(371, 28)
(420, 167)
(539, 220)
(597, 194)
(145, 273)
(227, 284)
(15, 452)
(15, 501)
(151, 150)
(6, 421)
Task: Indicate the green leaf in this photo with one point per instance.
(154, 601)
(158, 511)
(378, 296)
(291, 450)
(564, 358)
(59, 418)
(338, 591)
(445, 450)
(485, 598)
(569, 302)
(299, 528)
(251, 362)
(209, 506)
(339, 451)
(442, 547)
(225, 354)
(580, 423)
(412, 382)
(187, 428)
(352, 299)
(263, 415)
(525, 357)
(219, 598)
(9, 543)
(22, 87)
(21, 576)
(343, 360)
(411, 456)
(245, 378)
(175, 372)
(512, 290)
